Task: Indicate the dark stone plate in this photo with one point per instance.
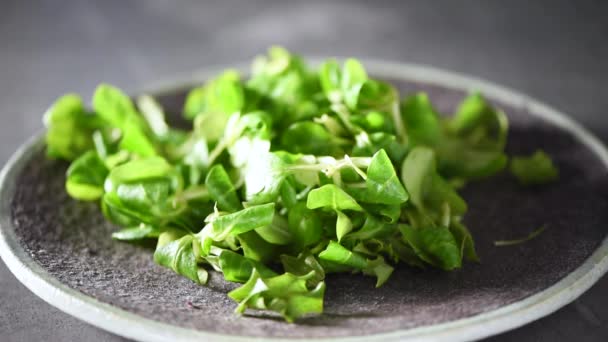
(69, 243)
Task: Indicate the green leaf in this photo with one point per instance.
(179, 256)
(263, 172)
(239, 222)
(427, 189)
(258, 249)
(286, 294)
(535, 169)
(402, 252)
(310, 138)
(117, 109)
(154, 115)
(475, 140)
(441, 192)
(213, 104)
(135, 140)
(421, 120)
(353, 77)
(373, 228)
(380, 269)
(238, 268)
(277, 232)
(458, 159)
(330, 77)
(475, 116)
(288, 195)
(304, 265)
(282, 85)
(69, 128)
(143, 190)
(146, 201)
(86, 176)
(305, 226)
(139, 232)
(221, 189)
(114, 106)
(340, 255)
(332, 197)
(343, 225)
(434, 245)
(379, 96)
(138, 170)
(194, 103)
(417, 172)
(465, 240)
(353, 74)
(368, 145)
(383, 185)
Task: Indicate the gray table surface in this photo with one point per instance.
(556, 51)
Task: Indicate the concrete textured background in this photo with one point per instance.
(555, 51)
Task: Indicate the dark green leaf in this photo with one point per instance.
(309, 138)
(421, 120)
(258, 249)
(435, 245)
(373, 228)
(238, 268)
(304, 265)
(464, 240)
(305, 226)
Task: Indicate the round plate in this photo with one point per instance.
(62, 251)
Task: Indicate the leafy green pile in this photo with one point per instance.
(285, 177)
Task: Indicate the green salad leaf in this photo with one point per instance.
(535, 169)
(286, 176)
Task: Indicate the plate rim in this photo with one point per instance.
(131, 325)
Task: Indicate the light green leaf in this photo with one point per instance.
(179, 256)
(332, 197)
(239, 222)
(69, 128)
(286, 294)
(139, 232)
(343, 225)
(339, 254)
(86, 176)
(222, 190)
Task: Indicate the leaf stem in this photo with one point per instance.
(399, 127)
(532, 235)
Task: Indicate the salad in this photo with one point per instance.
(286, 176)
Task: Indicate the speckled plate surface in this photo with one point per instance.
(62, 251)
